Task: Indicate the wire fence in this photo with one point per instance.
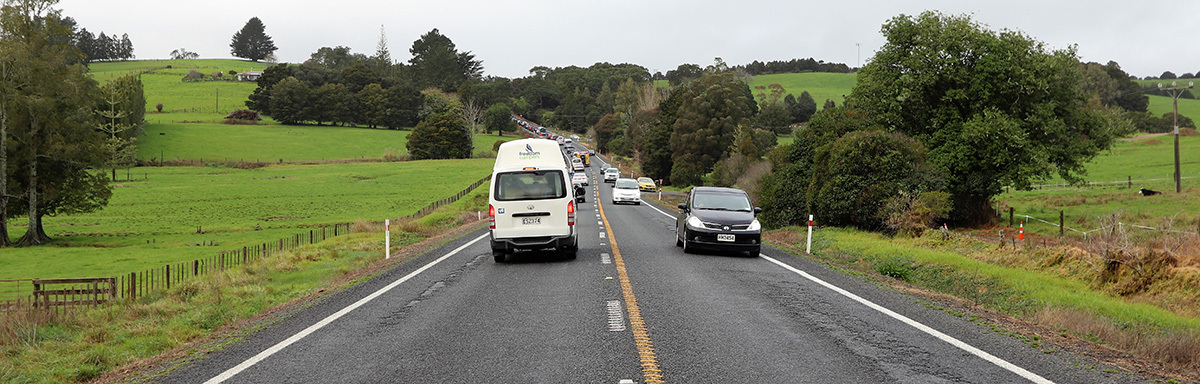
(62, 293)
(1127, 183)
(1063, 228)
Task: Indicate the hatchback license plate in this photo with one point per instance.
(725, 237)
(531, 220)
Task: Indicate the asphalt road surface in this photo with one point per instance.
(632, 308)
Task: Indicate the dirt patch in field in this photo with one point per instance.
(1148, 142)
(1143, 137)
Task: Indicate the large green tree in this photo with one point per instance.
(49, 115)
(784, 192)
(252, 41)
(854, 176)
(437, 63)
(498, 118)
(706, 122)
(994, 109)
(440, 136)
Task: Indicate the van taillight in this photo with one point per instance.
(571, 213)
(491, 216)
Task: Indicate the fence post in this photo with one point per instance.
(133, 285)
(1010, 216)
(168, 276)
(196, 267)
(1062, 227)
(245, 251)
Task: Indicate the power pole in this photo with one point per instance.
(1175, 91)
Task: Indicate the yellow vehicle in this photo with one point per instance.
(587, 160)
(646, 184)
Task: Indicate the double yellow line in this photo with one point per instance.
(650, 370)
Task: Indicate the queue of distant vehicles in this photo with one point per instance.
(536, 185)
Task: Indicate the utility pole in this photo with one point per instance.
(859, 45)
(1175, 91)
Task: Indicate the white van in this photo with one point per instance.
(532, 202)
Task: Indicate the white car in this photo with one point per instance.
(626, 191)
(579, 179)
(577, 165)
(611, 174)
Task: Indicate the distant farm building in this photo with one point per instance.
(249, 76)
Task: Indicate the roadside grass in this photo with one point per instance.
(1044, 285)
(92, 342)
(85, 345)
(167, 217)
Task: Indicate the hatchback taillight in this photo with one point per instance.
(491, 216)
(571, 212)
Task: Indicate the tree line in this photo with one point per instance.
(793, 66)
(58, 127)
(100, 47)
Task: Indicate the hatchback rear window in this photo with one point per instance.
(530, 185)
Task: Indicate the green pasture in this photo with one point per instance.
(1160, 105)
(166, 86)
(216, 142)
(163, 219)
(1149, 162)
(822, 86)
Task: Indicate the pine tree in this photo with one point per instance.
(252, 42)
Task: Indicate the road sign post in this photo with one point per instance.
(387, 238)
(808, 247)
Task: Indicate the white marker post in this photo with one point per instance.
(387, 238)
(808, 248)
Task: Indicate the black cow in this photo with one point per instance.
(1148, 192)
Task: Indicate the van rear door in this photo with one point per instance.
(531, 203)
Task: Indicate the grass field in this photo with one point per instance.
(822, 86)
(1150, 163)
(274, 143)
(1160, 105)
(164, 85)
(155, 221)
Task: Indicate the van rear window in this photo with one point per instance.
(531, 185)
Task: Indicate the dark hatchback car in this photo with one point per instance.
(718, 219)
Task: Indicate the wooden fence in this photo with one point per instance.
(51, 293)
(137, 284)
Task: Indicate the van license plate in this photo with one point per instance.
(725, 237)
(531, 220)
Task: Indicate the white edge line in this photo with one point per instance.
(924, 328)
(320, 324)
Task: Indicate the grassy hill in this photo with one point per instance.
(190, 126)
(822, 86)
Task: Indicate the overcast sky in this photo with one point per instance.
(510, 37)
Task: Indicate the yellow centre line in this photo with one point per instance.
(650, 371)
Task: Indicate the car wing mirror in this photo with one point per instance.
(757, 210)
(682, 206)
